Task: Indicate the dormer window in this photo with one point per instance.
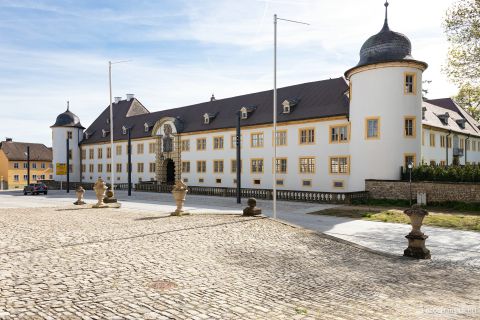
(444, 118)
(104, 133)
(107, 121)
(288, 105)
(146, 127)
(208, 117)
(461, 123)
(424, 109)
(87, 135)
(124, 130)
(244, 113)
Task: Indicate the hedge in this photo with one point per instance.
(424, 172)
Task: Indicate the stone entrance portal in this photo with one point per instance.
(167, 151)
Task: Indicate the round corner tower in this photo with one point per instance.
(67, 126)
(385, 108)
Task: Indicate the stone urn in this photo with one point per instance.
(100, 188)
(416, 238)
(109, 196)
(252, 210)
(179, 192)
(80, 192)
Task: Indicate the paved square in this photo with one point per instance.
(66, 263)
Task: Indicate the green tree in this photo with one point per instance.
(468, 98)
(462, 26)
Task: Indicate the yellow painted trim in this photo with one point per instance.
(257, 133)
(377, 137)
(274, 166)
(307, 157)
(223, 165)
(401, 64)
(205, 146)
(286, 138)
(205, 167)
(184, 142)
(189, 167)
(410, 155)
(347, 125)
(414, 127)
(300, 136)
(339, 173)
(231, 166)
(432, 140)
(414, 84)
(263, 165)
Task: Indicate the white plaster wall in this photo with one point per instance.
(380, 92)
(438, 153)
(321, 150)
(59, 151)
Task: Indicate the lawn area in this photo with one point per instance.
(445, 220)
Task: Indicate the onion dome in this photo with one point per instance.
(67, 119)
(385, 46)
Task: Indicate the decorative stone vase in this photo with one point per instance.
(179, 192)
(100, 188)
(109, 198)
(416, 238)
(80, 192)
(252, 210)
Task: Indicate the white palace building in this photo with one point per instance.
(332, 134)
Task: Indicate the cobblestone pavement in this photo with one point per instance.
(61, 263)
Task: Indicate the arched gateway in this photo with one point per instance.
(168, 155)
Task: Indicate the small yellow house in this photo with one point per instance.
(14, 163)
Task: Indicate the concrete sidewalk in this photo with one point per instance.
(447, 245)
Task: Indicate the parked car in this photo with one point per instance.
(35, 188)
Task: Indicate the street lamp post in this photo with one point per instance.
(129, 165)
(410, 166)
(239, 161)
(274, 182)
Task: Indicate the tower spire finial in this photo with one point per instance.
(68, 105)
(385, 24)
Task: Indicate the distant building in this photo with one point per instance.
(14, 164)
(332, 134)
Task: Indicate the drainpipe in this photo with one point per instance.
(446, 145)
(468, 138)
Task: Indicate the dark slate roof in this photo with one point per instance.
(315, 100)
(15, 151)
(449, 104)
(67, 119)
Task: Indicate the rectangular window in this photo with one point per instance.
(474, 146)
(281, 165)
(16, 177)
(306, 165)
(200, 180)
(84, 167)
(91, 168)
(217, 143)
(84, 154)
(372, 128)
(442, 163)
(25, 177)
(409, 158)
(100, 167)
(256, 165)
(42, 165)
(442, 141)
(118, 150)
(100, 153)
(449, 142)
(233, 141)
(410, 79)
(185, 166)
(152, 167)
(339, 165)
(432, 162)
(233, 164)
(185, 145)
(90, 153)
(432, 139)
(201, 166)
(306, 183)
(338, 134)
(256, 181)
(140, 167)
(34, 177)
(70, 156)
(279, 182)
(25, 165)
(409, 127)
(140, 148)
(109, 152)
(307, 136)
(338, 184)
(34, 165)
(256, 140)
(201, 144)
(15, 165)
(281, 138)
(119, 167)
(69, 135)
(462, 143)
(218, 180)
(151, 147)
(109, 167)
(218, 166)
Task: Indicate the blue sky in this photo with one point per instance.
(182, 51)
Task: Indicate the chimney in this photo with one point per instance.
(118, 99)
(8, 139)
(212, 98)
(130, 96)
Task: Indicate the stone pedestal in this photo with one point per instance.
(80, 193)
(179, 192)
(252, 210)
(109, 197)
(416, 238)
(100, 188)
